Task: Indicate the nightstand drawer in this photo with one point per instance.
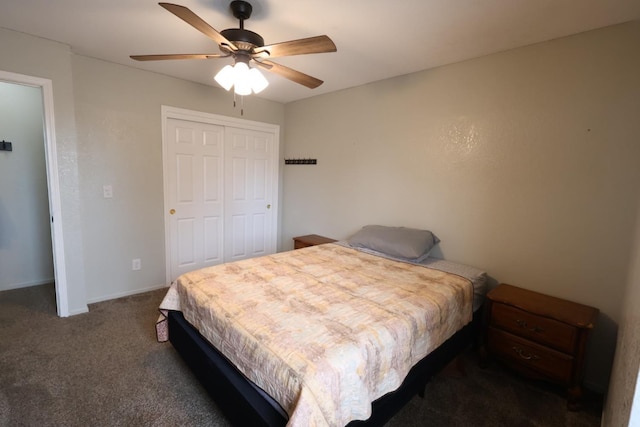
(531, 356)
(540, 329)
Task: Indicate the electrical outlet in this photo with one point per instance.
(136, 264)
(107, 191)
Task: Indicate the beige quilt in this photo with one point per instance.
(325, 330)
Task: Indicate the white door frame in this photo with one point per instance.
(53, 185)
(169, 112)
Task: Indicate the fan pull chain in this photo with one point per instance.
(241, 103)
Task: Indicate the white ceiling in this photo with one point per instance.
(376, 39)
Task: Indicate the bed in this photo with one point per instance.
(334, 334)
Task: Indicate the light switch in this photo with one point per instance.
(107, 191)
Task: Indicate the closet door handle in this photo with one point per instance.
(172, 211)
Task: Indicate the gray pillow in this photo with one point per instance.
(399, 242)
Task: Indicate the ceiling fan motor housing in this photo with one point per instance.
(243, 39)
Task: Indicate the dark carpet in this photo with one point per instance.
(105, 368)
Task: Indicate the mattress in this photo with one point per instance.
(332, 328)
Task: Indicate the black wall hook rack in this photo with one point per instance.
(6, 146)
(300, 161)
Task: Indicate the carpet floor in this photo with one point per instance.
(105, 368)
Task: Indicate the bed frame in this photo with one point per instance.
(244, 404)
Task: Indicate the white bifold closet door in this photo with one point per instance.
(220, 194)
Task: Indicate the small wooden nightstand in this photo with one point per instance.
(310, 240)
(541, 336)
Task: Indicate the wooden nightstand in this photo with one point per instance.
(541, 336)
(310, 240)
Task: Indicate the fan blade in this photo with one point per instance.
(291, 74)
(196, 22)
(318, 44)
(176, 56)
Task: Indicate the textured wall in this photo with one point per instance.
(120, 144)
(623, 400)
(26, 257)
(33, 56)
(525, 163)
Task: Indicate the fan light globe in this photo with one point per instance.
(225, 77)
(242, 84)
(258, 81)
(243, 79)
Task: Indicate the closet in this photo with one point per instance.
(220, 187)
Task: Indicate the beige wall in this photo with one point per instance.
(33, 56)
(120, 144)
(525, 163)
(623, 401)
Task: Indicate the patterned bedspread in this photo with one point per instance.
(325, 330)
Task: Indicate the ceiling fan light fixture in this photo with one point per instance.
(243, 79)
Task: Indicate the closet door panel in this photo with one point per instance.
(195, 194)
(248, 178)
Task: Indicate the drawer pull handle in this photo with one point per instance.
(523, 324)
(523, 354)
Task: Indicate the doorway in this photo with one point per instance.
(53, 192)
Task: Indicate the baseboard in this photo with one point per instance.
(125, 294)
(10, 286)
(82, 310)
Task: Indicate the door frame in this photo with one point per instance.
(168, 112)
(53, 184)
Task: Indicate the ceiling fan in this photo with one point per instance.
(247, 47)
